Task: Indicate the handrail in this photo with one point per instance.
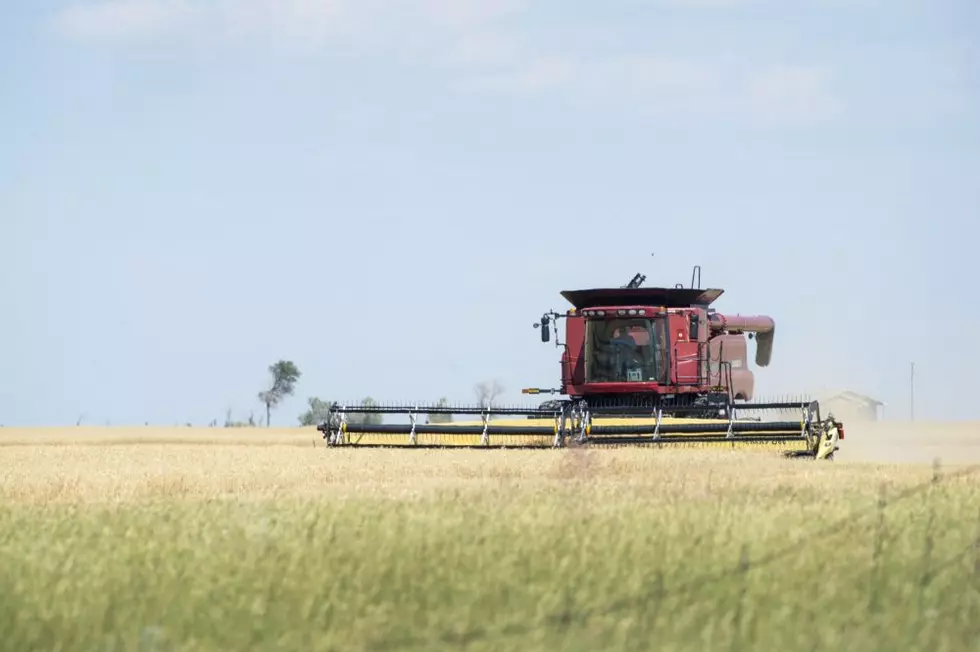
(698, 377)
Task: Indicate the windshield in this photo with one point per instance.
(625, 350)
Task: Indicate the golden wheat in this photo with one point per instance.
(213, 540)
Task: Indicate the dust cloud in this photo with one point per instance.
(890, 442)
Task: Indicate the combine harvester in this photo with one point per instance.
(639, 367)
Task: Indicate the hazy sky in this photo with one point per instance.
(391, 193)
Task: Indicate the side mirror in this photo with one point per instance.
(545, 330)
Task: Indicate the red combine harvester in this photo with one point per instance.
(639, 366)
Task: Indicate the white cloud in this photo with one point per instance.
(635, 76)
(704, 4)
(794, 94)
(662, 84)
(653, 75)
(484, 49)
(475, 40)
(538, 74)
(126, 20)
(465, 14)
(305, 23)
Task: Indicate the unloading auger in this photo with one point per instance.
(639, 367)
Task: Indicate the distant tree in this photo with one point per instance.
(370, 419)
(486, 392)
(285, 374)
(317, 413)
(232, 423)
(440, 417)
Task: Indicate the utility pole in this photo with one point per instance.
(912, 391)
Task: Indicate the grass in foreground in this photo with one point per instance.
(281, 548)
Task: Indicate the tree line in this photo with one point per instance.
(285, 375)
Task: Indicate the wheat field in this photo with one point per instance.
(213, 539)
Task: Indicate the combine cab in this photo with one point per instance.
(639, 366)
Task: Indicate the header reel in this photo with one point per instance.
(563, 423)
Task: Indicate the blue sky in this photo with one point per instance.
(190, 191)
